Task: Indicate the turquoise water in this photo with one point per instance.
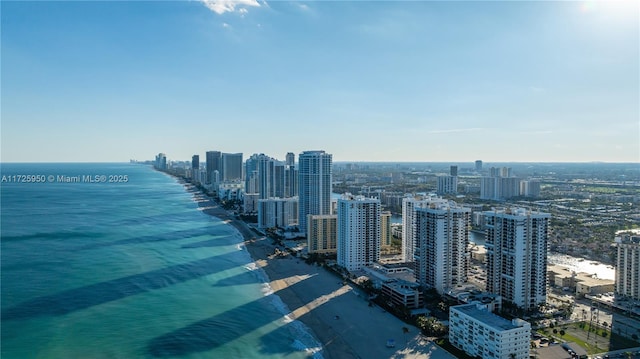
(129, 270)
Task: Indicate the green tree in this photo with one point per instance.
(562, 332)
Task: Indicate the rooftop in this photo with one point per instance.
(488, 318)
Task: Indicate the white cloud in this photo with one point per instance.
(222, 6)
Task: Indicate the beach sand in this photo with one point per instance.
(338, 315)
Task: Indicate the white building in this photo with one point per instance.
(516, 243)
(409, 206)
(480, 333)
(441, 254)
(447, 184)
(277, 212)
(358, 230)
(628, 264)
(250, 202)
(314, 185)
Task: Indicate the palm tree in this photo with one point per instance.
(405, 331)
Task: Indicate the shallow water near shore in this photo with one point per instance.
(130, 270)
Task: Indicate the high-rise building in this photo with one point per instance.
(195, 162)
(516, 244)
(290, 159)
(277, 212)
(530, 188)
(161, 161)
(478, 165)
(385, 229)
(213, 164)
(447, 184)
(409, 207)
(266, 176)
(251, 173)
(358, 228)
(441, 253)
(628, 265)
(290, 181)
(482, 334)
(231, 167)
(499, 185)
(279, 179)
(314, 185)
(453, 171)
(322, 233)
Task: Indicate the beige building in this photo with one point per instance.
(321, 233)
(385, 229)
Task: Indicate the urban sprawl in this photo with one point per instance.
(403, 233)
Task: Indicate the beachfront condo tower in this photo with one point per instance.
(213, 164)
(314, 185)
(516, 243)
(409, 206)
(358, 231)
(441, 253)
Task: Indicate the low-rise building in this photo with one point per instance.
(403, 293)
(480, 333)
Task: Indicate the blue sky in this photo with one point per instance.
(364, 80)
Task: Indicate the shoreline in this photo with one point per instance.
(337, 315)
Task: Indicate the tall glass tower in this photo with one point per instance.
(314, 185)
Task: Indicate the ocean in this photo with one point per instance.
(116, 261)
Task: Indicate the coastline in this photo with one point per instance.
(338, 315)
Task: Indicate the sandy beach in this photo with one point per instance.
(338, 315)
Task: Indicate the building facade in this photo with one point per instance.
(482, 334)
(231, 167)
(322, 233)
(447, 184)
(358, 231)
(409, 207)
(314, 185)
(441, 254)
(385, 229)
(628, 265)
(516, 243)
(213, 164)
(277, 212)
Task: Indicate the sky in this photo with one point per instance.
(414, 81)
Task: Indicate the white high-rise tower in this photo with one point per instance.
(516, 245)
(358, 231)
(441, 254)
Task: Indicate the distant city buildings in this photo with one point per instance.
(314, 185)
(447, 184)
(358, 228)
(482, 334)
(441, 245)
(161, 161)
(501, 185)
(628, 265)
(195, 162)
(478, 166)
(516, 244)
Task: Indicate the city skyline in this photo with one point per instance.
(365, 81)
